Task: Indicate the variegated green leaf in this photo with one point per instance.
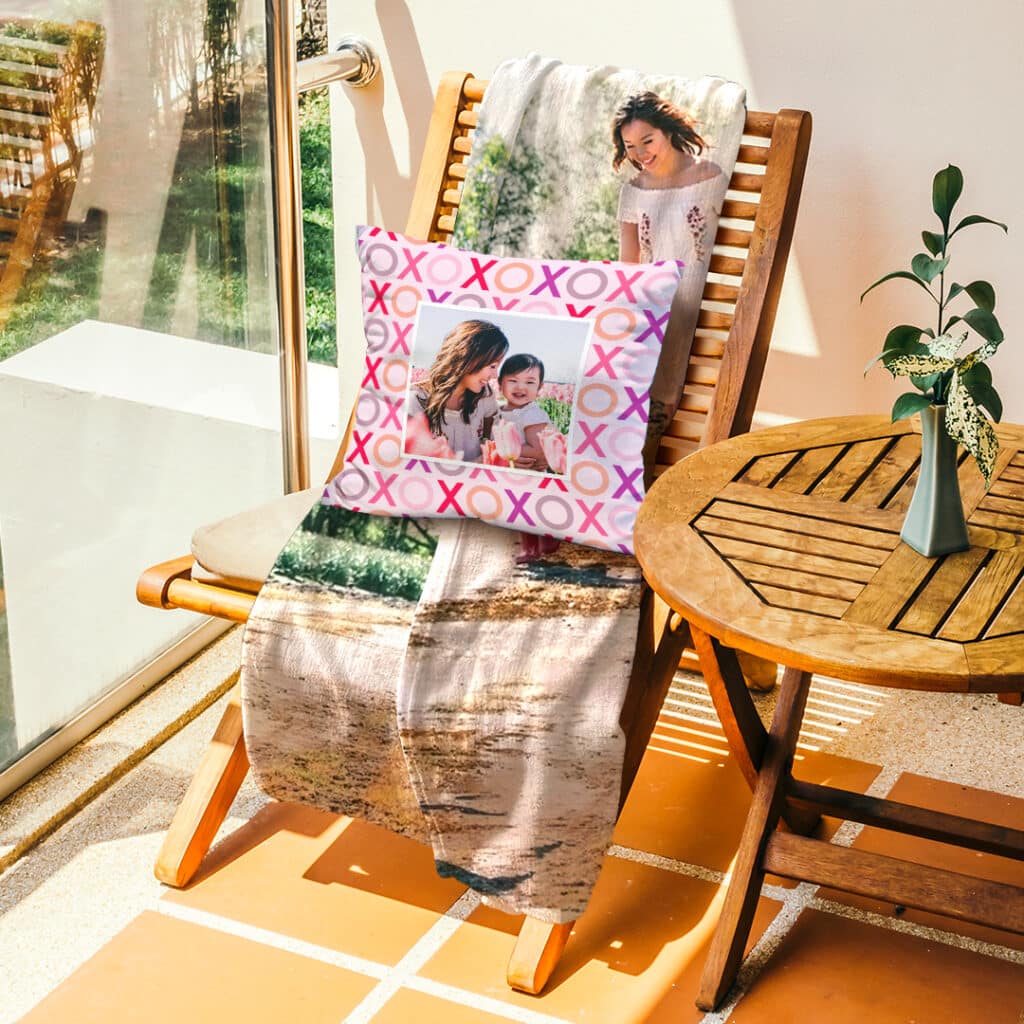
(905, 366)
(967, 425)
(979, 355)
(901, 340)
(945, 346)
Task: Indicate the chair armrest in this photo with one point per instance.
(170, 585)
(155, 581)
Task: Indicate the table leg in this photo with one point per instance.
(735, 708)
(766, 809)
(740, 720)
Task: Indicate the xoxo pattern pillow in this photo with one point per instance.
(510, 390)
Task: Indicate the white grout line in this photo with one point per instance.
(793, 904)
(268, 938)
(483, 1003)
(654, 860)
(880, 787)
(415, 958)
(391, 979)
(404, 975)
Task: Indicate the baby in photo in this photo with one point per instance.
(519, 382)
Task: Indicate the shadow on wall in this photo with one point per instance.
(880, 134)
(386, 187)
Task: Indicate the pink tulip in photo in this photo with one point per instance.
(506, 441)
(553, 444)
(490, 456)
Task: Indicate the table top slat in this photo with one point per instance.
(933, 602)
(990, 589)
(798, 600)
(808, 469)
(872, 524)
(810, 583)
(1012, 474)
(996, 521)
(852, 469)
(1006, 486)
(1008, 506)
(894, 585)
(796, 526)
(739, 522)
(890, 472)
(1009, 620)
(763, 472)
(765, 554)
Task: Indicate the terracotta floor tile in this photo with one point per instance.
(407, 1005)
(164, 971)
(693, 810)
(636, 955)
(951, 798)
(835, 971)
(332, 881)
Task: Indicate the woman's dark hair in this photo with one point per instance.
(518, 363)
(659, 113)
(467, 348)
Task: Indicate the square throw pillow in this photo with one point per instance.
(510, 390)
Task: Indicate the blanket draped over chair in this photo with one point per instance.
(411, 672)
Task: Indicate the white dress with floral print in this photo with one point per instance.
(670, 222)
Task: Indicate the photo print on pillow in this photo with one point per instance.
(514, 391)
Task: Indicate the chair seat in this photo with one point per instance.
(244, 547)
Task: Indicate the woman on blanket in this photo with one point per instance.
(659, 217)
(453, 406)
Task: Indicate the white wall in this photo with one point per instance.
(897, 89)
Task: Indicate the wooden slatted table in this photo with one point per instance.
(785, 543)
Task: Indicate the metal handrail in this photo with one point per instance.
(353, 61)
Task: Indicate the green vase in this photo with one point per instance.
(935, 523)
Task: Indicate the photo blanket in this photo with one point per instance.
(415, 672)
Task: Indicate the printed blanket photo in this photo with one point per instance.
(421, 673)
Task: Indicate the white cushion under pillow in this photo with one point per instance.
(245, 546)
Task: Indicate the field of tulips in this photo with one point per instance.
(558, 391)
(559, 412)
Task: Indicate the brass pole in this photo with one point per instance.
(286, 190)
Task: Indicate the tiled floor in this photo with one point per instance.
(300, 916)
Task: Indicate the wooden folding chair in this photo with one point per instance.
(722, 381)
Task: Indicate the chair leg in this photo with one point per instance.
(207, 801)
(1016, 699)
(536, 954)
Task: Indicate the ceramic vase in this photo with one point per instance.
(935, 523)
